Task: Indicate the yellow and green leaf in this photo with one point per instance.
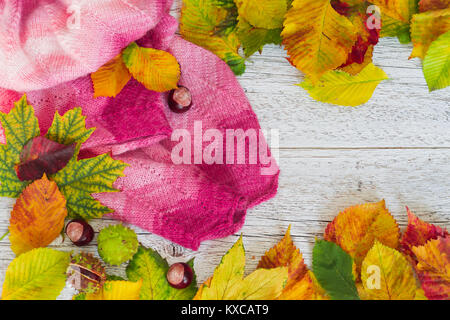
(253, 39)
(116, 290)
(265, 14)
(436, 65)
(316, 37)
(341, 88)
(157, 70)
(39, 274)
(111, 78)
(69, 128)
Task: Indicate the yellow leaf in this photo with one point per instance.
(37, 217)
(427, 27)
(433, 268)
(228, 282)
(356, 229)
(267, 14)
(117, 290)
(387, 275)
(397, 9)
(39, 274)
(341, 88)
(157, 70)
(316, 37)
(110, 79)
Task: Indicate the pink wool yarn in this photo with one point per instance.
(185, 203)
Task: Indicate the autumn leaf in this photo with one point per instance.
(69, 128)
(341, 88)
(42, 156)
(418, 232)
(266, 14)
(111, 78)
(300, 285)
(253, 39)
(436, 65)
(80, 178)
(198, 24)
(333, 269)
(37, 217)
(39, 274)
(148, 265)
(316, 37)
(426, 27)
(116, 290)
(19, 125)
(427, 5)
(433, 268)
(157, 70)
(356, 229)
(387, 275)
(228, 282)
(396, 17)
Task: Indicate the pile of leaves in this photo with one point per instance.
(330, 41)
(45, 175)
(363, 256)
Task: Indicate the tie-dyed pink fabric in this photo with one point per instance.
(184, 203)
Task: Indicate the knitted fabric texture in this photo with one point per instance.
(185, 203)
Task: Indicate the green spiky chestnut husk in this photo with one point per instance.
(117, 244)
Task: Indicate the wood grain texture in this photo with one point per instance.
(395, 147)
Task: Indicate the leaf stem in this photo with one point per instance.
(3, 236)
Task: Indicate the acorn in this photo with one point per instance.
(79, 232)
(86, 273)
(179, 275)
(180, 100)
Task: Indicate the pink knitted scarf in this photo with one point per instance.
(186, 203)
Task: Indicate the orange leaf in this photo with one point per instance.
(37, 217)
(433, 268)
(300, 285)
(356, 228)
(418, 232)
(110, 79)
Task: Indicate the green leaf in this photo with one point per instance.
(436, 65)
(80, 178)
(207, 24)
(253, 39)
(266, 14)
(341, 88)
(20, 125)
(69, 128)
(332, 268)
(39, 274)
(148, 265)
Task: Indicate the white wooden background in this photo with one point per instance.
(395, 147)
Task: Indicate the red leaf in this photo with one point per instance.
(419, 233)
(341, 7)
(41, 155)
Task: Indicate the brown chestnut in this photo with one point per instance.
(79, 232)
(180, 99)
(179, 275)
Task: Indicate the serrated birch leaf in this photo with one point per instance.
(37, 217)
(428, 5)
(436, 65)
(433, 268)
(39, 274)
(198, 24)
(111, 78)
(333, 269)
(253, 39)
(356, 229)
(387, 275)
(266, 14)
(316, 37)
(341, 88)
(228, 282)
(117, 290)
(299, 285)
(69, 128)
(148, 265)
(157, 70)
(426, 27)
(19, 125)
(418, 232)
(80, 178)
